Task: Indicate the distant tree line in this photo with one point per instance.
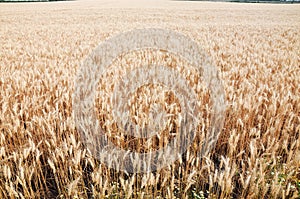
(265, 1)
(252, 1)
(30, 0)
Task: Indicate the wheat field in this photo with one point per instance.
(256, 48)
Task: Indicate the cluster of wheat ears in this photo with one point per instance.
(257, 154)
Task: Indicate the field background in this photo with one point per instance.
(256, 48)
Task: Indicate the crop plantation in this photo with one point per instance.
(255, 47)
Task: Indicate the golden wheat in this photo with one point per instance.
(255, 47)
